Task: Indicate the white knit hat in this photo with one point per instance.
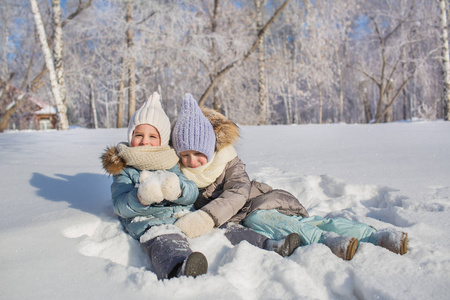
(151, 113)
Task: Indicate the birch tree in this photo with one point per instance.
(57, 90)
(445, 58)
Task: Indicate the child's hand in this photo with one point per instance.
(195, 224)
(170, 185)
(149, 190)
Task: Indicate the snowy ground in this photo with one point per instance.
(59, 238)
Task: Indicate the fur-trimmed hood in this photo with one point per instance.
(112, 163)
(227, 132)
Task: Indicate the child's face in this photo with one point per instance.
(193, 159)
(145, 135)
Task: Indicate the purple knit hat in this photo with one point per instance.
(193, 131)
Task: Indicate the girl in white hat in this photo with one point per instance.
(149, 192)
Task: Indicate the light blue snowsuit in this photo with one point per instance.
(166, 251)
(137, 218)
(276, 225)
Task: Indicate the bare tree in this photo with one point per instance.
(445, 59)
(13, 99)
(261, 66)
(316, 51)
(131, 66)
(228, 67)
(121, 94)
(57, 90)
(386, 79)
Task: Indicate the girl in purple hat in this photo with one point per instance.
(204, 139)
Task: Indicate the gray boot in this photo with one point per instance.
(342, 246)
(395, 241)
(284, 247)
(195, 265)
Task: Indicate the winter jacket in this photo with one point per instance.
(135, 217)
(232, 196)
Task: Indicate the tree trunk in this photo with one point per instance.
(131, 67)
(6, 96)
(365, 100)
(389, 109)
(341, 87)
(63, 123)
(320, 103)
(58, 49)
(37, 82)
(5, 27)
(121, 93)
(445, 60)
(216, 102)
(261, 66)
(93, 106)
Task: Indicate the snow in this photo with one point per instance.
(61, 240)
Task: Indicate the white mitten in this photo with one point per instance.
(195, 224)
(170, 185)
(149, 190)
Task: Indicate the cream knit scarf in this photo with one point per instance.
(148, 157)
(205, 175)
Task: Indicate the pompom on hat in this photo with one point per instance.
(151, 113)
(193, 131)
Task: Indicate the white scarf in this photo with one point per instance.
(148, 157)
(204, 175)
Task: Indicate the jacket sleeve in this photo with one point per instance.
(124, 194)
(236, 191)
(189, 190)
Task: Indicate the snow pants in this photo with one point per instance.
(167, 253)
(236, 233)
(276, 225)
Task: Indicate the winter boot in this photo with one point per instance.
(284, 247)
(395, 241)
(342, 246)
(195, 265)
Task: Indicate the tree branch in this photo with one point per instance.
(225, 70)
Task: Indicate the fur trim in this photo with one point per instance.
(227, 132)
(112, 162)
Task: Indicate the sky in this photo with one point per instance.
(61, 240)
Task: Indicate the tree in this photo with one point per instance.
(261, 66)
(13, 99)
(131, 66)
(57, 89)
(386, 29)
(228, 67)
(316, 51)
(445, 59)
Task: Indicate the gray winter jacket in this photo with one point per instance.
(233, 196)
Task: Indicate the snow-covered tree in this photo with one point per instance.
(383, 66)
(445, 58)
(54, 71)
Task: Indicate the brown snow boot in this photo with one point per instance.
(342, 246)
(286, 246)
(394, 241)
